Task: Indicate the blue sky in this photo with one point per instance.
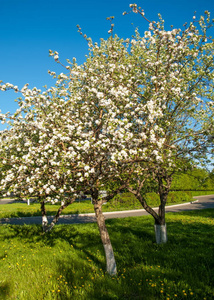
(29, 28)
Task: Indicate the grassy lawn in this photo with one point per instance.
(126, 202)
(23, 210)
(68, 263)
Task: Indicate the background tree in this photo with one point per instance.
(175, 72)
(194, 179)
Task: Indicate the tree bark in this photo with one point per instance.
(164, 183)
(147, 208)
(56, 217)
(44, 216)
(160, 233)
(160, 226)
(111, 267)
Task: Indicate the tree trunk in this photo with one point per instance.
(147, 208)
(160, 226)
(111, 267)
(44, 216)
(56, 218)
(160, 233)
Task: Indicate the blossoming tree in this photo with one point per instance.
(136, 108)
(73, 137)
(177, 72)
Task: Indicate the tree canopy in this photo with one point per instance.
(136, 109)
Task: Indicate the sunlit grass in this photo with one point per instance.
(24, 210)
(68, 263)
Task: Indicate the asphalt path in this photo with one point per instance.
(201, 202)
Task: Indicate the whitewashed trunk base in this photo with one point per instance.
(110, 260)
(160, 234)
(44, 222)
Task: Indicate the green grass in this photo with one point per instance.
(13, 210)
(68, 263)
(125, 202)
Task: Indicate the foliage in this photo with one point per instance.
(191, 180)
(153, 199)
(195, 179)
(201, 193)
(175, 197)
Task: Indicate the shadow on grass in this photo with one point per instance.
(20, 214)
(183, 264)
(36, 213)
(4, 290)
(186, 262)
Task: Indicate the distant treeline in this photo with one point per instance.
(194, 180)
(197, 179)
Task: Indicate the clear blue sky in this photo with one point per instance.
(29, 28)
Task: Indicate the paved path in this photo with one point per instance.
(202, 202)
